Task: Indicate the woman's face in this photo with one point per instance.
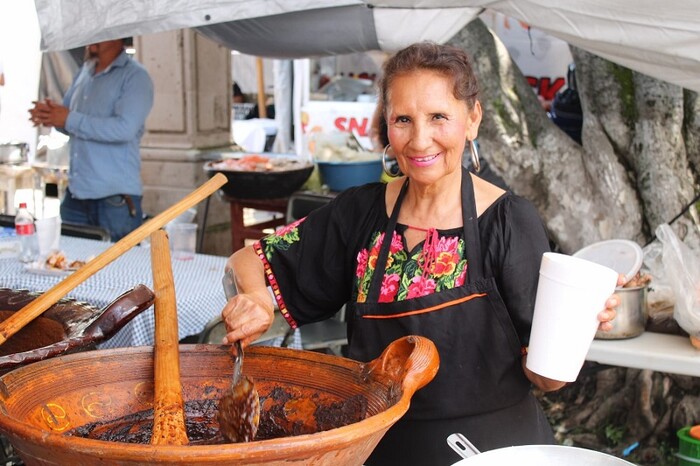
(427, 126)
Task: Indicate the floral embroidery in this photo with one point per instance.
(390, 286)
(404, 278)
(282, 238)
(446, 257)
(362, 258)
(420, 286)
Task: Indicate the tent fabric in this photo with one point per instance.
(338, 30)
(66, 24)
(304, 33)
(663, 42)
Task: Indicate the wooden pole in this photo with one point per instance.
(262, 108)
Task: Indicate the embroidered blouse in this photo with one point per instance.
(318, 263)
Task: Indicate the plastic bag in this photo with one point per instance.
(682, 266)
(660, 295)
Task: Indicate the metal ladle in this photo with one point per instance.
(239, 407)
(462, 445)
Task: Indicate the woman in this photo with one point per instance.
(460, 268)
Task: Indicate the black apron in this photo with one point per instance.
(480, 376)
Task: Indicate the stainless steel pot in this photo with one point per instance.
(632, 315)
(543, 455)
(14, 152)
(531, 455)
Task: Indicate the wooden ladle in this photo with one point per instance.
(19, 319)
(168, 405)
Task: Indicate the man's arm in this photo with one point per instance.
(130, 113)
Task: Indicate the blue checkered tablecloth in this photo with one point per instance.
(198, 290)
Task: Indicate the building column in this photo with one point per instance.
(191, 116)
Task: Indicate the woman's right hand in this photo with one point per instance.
(247, 316)
(249, 313)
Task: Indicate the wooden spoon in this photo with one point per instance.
(168, 405)
(19, 319)
(239, 407)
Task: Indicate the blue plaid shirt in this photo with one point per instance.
(105, 124)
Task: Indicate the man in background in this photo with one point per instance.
(104, 113)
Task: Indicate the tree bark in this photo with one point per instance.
(637, 167)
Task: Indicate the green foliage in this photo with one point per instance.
(614, 434)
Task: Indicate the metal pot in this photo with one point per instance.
(531, 455)
(262, 185)
(14, 152)
(632, 314)
(543, 455)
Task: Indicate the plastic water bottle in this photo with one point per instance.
(24, 228)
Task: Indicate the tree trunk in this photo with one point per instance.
(637, 167)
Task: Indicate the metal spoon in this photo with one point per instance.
(239, 407)
(462, 445)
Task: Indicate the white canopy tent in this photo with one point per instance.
(663, 42)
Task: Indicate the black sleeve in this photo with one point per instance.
(515, 239)
(313, 260)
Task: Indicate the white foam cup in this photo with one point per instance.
(48, 232)
(571, 292)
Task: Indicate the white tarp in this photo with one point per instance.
(658, 39)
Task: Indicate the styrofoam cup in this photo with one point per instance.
(48, 232)
(183, 240)
(570, 294)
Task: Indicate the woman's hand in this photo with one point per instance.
(247, 316)
(606, 316)
(543, 383)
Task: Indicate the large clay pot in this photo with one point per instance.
(67, 326)
(303, 392)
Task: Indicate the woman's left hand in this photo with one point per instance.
(606, 316)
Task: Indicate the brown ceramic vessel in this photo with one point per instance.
(302, 394)
(67, 326)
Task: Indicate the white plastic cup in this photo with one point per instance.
(183, 240)
(48, 232)
(570, 294)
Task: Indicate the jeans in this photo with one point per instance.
(111, 213)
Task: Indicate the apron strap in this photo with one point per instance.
(375, 286)
(470, 227)
(470, 221)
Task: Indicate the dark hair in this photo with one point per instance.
(446, 59)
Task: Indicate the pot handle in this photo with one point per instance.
(413, 359)
(120, 312)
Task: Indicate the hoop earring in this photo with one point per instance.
(388, 168)
(474, 150)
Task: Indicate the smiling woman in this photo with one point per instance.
(437, 252)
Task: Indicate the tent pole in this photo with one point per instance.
(262, 108)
